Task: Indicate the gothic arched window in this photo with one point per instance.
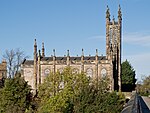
(103, 73)
(110, 36)
(61, 84)
(89, 72)
(115, 37)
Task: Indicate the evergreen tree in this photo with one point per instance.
(15, 96)
(127, 77)
(93, 100)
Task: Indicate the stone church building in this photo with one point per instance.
(3, 72)
(34, 71)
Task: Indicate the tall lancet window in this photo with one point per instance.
(89, 72)
(103, 73)
(115, 37)
(61, 82)
(110, 36)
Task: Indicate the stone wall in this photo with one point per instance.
(3, 72)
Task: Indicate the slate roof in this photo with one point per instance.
(46, 58)
(101, 57)
(31, 62)
(28, 62)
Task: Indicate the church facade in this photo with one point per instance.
(34, 71)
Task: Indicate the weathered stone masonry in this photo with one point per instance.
(35, 71)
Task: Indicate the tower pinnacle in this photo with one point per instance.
(82, 52)
(68, 53)
(35, 47)
(107, 13)
(119, 13)
(43, 50)
(54, 52)
(96, 52)
(35, 42)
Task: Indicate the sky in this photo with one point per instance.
(76, 24)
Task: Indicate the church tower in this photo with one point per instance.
(113, 45)
(95, 67)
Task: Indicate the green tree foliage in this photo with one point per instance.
(127, 77)
(98, 100)
(144, 87)
(59, 89)
(70, 92)
(15, 96)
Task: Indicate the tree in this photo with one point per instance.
(15, 96)
(59, 89)
(93, 100)
(127, 77)
(14, 59)
(70, 92)
(144, 87)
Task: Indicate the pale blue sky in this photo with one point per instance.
(75, 24)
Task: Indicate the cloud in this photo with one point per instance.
(132, 0)
(139, 60)
(140, 63)
(137, 38)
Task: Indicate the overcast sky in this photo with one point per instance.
(76, 24)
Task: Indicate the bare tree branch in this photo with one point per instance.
(14, 59)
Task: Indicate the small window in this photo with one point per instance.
(47, 72)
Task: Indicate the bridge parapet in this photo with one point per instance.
(133, 105)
